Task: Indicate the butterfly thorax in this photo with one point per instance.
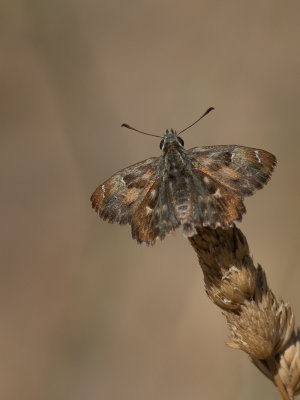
(174, 154)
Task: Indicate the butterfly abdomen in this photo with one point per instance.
(178, 175)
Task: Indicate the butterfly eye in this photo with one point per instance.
(180, 141)
(161, 144)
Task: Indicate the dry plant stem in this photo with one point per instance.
(259, 324)
(281, 387)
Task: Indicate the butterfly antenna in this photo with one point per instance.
(188, 127)
(136, 130)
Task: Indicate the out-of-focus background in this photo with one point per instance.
(86, 313)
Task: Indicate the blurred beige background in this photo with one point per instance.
(86, 313)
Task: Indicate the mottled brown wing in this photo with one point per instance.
(241, 169)
(224, 175)
(136, 196)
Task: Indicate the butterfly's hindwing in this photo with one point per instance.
(214, 204)
(155, 216)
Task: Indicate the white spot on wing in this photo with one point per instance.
(217, 194)
(257, 156)
(147, 175)
(122, 180)
(148, 210)
(153, 194)
(103, 191)
(206, 180)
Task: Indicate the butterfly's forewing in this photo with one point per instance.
(241, 169)
(118, 198)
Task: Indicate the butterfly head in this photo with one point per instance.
(170, 138)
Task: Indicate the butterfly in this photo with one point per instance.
(200, 187)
